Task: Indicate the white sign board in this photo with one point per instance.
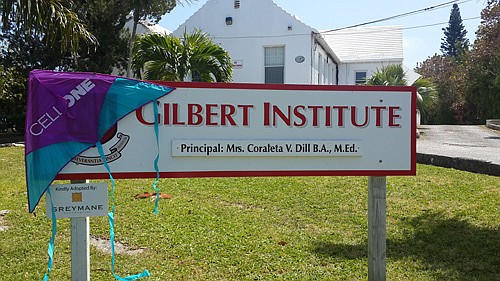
(212, 129)
(77, 200)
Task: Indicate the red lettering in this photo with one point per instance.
(378, 114)
(140, 117)
(393, 116)
(175, 113)
(354, 115)
(246, 113)
(285, 118)
(297, 113)
(210, 114)
(194, 111)
(194, 114)
(315, 109)
(267, 114)
(227, 112)
(341, 109)
(328, 116)
(166, 114)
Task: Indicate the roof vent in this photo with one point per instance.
(236, 4)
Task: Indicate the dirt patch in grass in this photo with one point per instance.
(3, 226)
(104, 246)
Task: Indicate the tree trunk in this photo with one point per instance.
(131, 43)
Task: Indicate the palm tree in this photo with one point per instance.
(149, 9)
(427, 98)
(52, 17)
(391, 75)
(394, 75)
(166, 57)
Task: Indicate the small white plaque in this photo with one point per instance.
(237, 64)
(78, 200)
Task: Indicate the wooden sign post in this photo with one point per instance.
(377, 228)
(80, 246)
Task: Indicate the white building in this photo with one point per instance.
(145, 27)
(363, 51)
(269, 45)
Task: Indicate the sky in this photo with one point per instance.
(419, 42)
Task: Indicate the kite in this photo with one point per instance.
(68, 113)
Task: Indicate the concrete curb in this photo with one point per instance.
(11, 144)
(463, 164)
(493, 124)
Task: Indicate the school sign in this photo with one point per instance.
(212, 130)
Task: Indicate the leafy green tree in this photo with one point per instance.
(483, 69)
(105, 19)
(166, 57)
(447, 74)
(27, 49)
(24, 49)
(12, 96)
(455, 41)
(12, 91)
(52, 18)
(21, 51)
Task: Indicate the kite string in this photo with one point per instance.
(50, 249)
(155, 110)
(145, 273)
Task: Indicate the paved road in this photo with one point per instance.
(470, 148)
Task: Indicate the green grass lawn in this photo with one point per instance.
(441, 225)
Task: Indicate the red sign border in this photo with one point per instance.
(207, 174)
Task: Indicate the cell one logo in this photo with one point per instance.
(81, 90)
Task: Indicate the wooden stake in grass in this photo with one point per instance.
(377, 228)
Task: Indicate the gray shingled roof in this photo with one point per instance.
(363, 44)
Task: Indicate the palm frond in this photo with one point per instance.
(52, 17)
(391, 75)
(166, 57)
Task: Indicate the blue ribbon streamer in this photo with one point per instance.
(145, 273)
(155, 110)
(50, 249)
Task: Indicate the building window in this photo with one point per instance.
(236, 4)
(274, 64)
(360, 77)
(196, 76)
